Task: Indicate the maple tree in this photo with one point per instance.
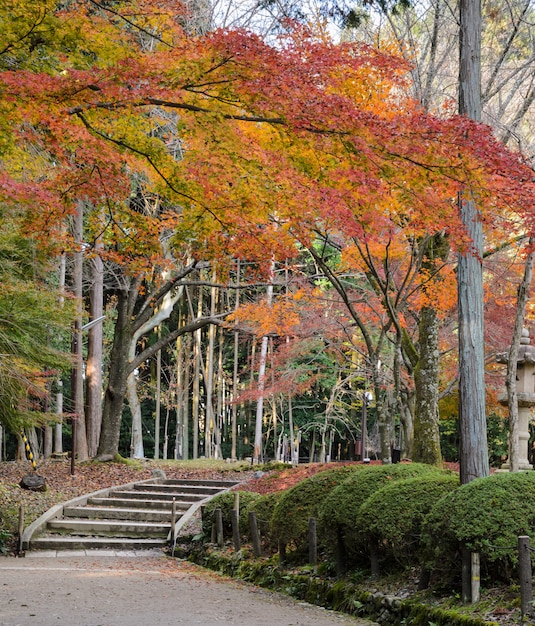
(327, 143)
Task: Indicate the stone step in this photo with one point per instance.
(107, 512)
(181, 488)
(157, 495)
(109, 528)
(132, 503)
(221, 484)
(74, 542)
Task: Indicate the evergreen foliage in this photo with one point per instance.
(487, 516)
(392, 517)
(339, 509)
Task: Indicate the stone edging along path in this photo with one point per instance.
(336, 595)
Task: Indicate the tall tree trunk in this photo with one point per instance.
(58, 428)
(197, 358)
(257, 454)
(117, 379)
(158, 400)
(80, 434)
(426, 431)
(234, 423)
(211, 424)
(474, 460)
(94, 355)
(261, 383)
(137, 450)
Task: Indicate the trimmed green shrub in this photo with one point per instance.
(298, 504)
(225, 502)
(391, 518)
(338, 511)
(487, 516)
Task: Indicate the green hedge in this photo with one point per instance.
(391, 519)
(338, 510)
(487, 516)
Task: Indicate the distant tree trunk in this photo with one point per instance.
(257, 454)
(58, 428)
(195, 401)
(293, 443)
(78, 381)
(234, 422)
(48, 436)
(94, 355)
(426, 429)
(407, 424)
(137, 450)
(474, 461)
(158, 401)
(211, 426)
(182, 399)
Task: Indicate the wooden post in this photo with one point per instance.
(21, 526)
(218, 517)
(213, 535)
(237, 502)
(173, 522)
(526, 585)
(234, 518)
(474, 577)
(255, 535)
(312, 542)
(465, 569)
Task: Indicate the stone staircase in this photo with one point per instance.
(138, 516)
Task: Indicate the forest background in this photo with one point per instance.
(244, 219)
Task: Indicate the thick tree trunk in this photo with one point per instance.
(474, 460)
(116, 389)
(426, 430)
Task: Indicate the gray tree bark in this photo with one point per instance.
(474, 459)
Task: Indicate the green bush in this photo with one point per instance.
(298, 504)
(225, 502)
(391, 518)
(487, 516)
(338, 511)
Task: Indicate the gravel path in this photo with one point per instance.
(142, 591)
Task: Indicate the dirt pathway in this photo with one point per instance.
(142, 591)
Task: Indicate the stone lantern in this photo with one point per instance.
(525, 387)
